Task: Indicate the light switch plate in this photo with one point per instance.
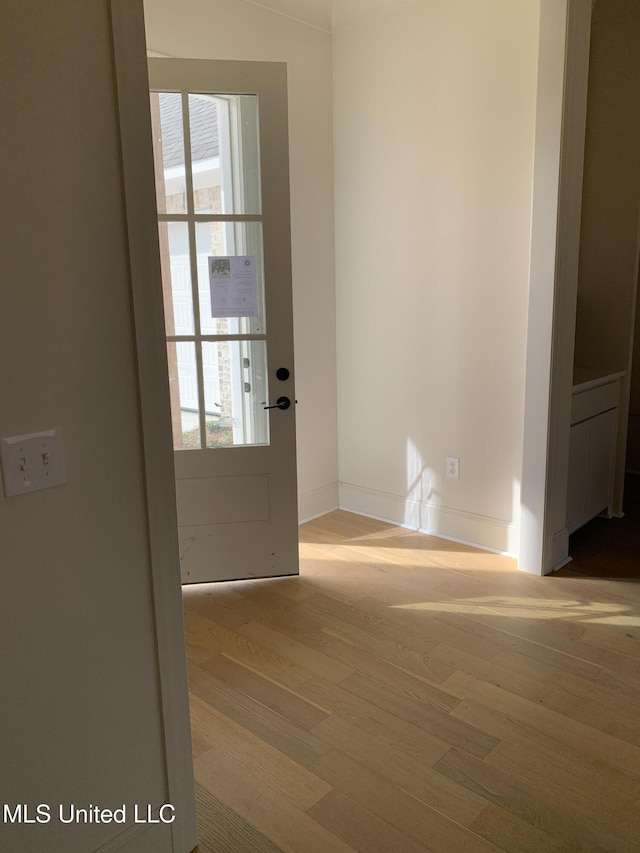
(32, 462)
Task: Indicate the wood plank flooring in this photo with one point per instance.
(609, 547)
(409, 694)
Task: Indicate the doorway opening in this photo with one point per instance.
(605, 438)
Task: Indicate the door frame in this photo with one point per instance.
(132, 93)
(563, 71)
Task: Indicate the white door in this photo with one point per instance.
(222, 181)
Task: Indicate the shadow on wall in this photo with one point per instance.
(420, 490)
(426, 511)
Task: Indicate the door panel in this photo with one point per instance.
(206, 501)
(221, 153)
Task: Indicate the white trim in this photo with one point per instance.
(141, 837)
(132, 92)
(467, 528)
(317, 502)
(563, 67)
(209, 165)
(562, 564)
(574, 121)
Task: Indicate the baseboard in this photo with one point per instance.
(317, 502)
(561, 565)
(479, 531)
(140, 838)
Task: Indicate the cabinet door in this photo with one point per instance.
(578, 469)
(602, 434)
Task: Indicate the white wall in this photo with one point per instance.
(434, 132)
(80, 717)
(228, 29)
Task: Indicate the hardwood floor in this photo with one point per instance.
(407, 694)
(609, 547)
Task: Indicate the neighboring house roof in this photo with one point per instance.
(203, 120)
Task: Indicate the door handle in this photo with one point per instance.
(281, 403)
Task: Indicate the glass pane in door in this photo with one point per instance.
(218, 387)
(242, 243)
(225, 157)
(183, 390)
(168, 152)
(176, 278)
(235, 393)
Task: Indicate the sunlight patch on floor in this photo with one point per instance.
(531, 608)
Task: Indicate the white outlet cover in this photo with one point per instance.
(32, 462)
(453, 467)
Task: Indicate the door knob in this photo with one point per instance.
(281, 403)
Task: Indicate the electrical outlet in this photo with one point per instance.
(453, 468)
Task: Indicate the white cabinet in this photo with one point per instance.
(594, 426)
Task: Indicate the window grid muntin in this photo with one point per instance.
(191, 218)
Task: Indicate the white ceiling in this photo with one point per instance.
(330, 15)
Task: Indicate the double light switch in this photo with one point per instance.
(32, 462)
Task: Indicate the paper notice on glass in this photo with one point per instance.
(234, 287)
